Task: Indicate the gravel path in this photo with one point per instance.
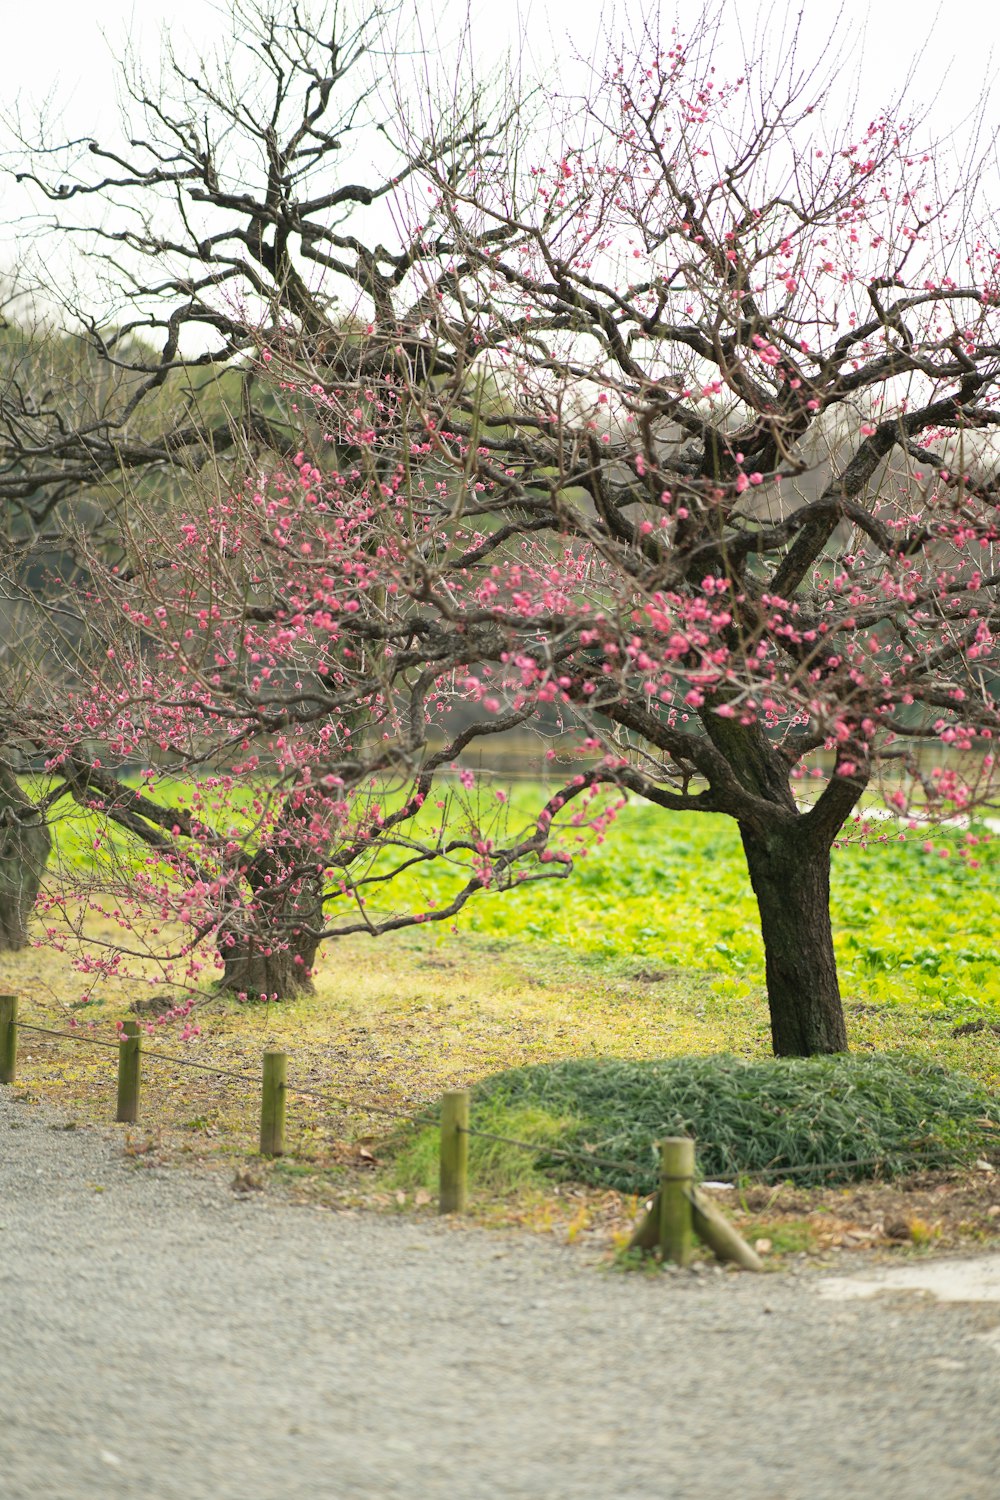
(164, 1339)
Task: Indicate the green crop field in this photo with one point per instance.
(916, 917)
(648, 954)
(916, 922)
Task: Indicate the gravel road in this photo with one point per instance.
(162, 1338)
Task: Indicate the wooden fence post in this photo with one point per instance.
(8, 1038)
(129, 1072)
(709, 1225)
(272, 1104)
(719, 1235)
(676, 1183)
(454, 1184)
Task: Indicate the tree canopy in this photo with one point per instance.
(674, 442)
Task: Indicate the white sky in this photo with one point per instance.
(64, 50)
(61, 56)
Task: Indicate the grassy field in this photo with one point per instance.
(915, 912)
(915, 922)
(649, 950)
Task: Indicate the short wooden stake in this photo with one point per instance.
(129, 1072)
(718, 1234)
(8, 1038)
(454, 1187)
(272, 1104)
(646, 1235)
(710, 1225)
(676, 1181)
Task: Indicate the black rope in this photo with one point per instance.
(938, 1157)
(563, 1154)
(361, 1104)
(186, 1062)
(69, 1036)
(740, 1173)
(542, 1150)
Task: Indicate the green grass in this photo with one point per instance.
(671, 891)
(664, 891)
(839, 1118)
(618, 979)
(912, 924)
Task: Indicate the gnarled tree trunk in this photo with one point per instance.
(269, 946)
(254, 966)
(24, 852)
(790, 874)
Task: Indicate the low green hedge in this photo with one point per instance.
(820, 1119)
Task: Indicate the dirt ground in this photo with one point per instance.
(385, 1035)
(927, 1213)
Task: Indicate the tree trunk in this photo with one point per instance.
(24, 852)
(252, 967)
(790, 874)
(269, 947)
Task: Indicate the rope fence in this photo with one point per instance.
(741, 1174)
(228, 1073)
(678, 1213)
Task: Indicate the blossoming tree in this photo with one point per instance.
(694, 471)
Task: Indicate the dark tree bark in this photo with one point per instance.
(255, 969)
(790, 874)
(788, 857)
(269, 947)
(24, 852)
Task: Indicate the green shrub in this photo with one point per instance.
(840, 1118)
(494, 1166)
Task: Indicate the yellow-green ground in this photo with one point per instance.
(395, 1022)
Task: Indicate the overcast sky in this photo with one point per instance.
(65, 49)
(62, 56)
